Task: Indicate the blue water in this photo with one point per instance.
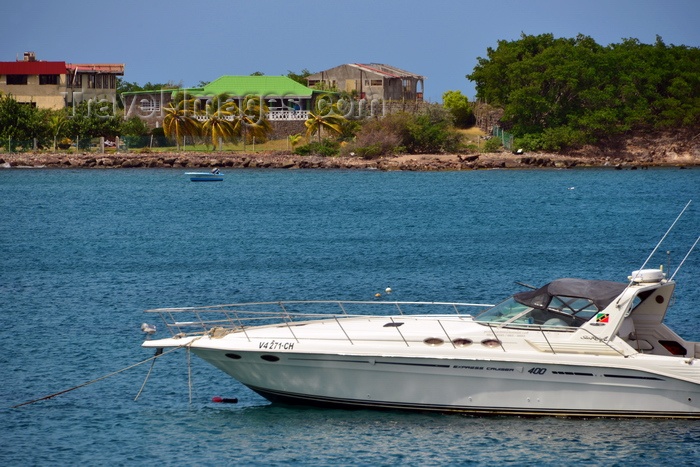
(83, 253)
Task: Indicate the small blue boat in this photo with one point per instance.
(214, 176)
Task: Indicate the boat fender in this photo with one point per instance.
(225, 400)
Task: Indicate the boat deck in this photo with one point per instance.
(375, 323)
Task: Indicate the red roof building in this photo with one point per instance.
(49, 84)
(33, 68)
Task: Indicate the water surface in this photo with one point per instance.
(84, 252)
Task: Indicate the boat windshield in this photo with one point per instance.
(561, 311)
(508, 311)
(564, 302)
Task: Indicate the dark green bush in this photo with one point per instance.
(134, 127)
(530, 142)
(493, 144)
(573, 91)
(428, 132)
(556, 139)
(374, 139)
(326, 148)
(432, 132)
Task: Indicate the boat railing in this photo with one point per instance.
(194, 321)
(272, 115)
(543, 330)
(198, 320)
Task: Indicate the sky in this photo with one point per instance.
(186, 42)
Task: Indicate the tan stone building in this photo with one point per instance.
(371, 81)
(54, 85)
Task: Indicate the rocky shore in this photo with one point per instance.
(657, 151)
(289, 161)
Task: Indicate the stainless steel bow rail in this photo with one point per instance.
(217, 320)
(239, 316)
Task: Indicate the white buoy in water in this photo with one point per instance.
(388, 290)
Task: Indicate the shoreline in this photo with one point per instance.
(276, 160)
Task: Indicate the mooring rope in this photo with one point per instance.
(189, 373)
(159, 351)
(157, 355)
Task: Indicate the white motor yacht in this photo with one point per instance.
(573, 347)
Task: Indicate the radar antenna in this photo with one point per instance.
(685, 257)
(662, 240)
(639, 272)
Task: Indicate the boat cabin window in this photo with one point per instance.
(508, 311)
(581, 308)
(561, 311)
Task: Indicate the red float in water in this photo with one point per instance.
(224, 400)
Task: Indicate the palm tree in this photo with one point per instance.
(294, 140)
(57, 122)
(326, 116)
(179, 120)
(252, 119)
(220, 125)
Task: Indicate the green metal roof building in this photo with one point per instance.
(279, 92)
(285, 98)
(273, 86)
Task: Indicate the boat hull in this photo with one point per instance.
(205, 177)
(466, 386)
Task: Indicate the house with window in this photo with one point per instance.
(370, 81)
(286, 99)
(55, 85)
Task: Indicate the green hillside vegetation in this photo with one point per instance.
(563, 93)
(555, 94)
(328, 133)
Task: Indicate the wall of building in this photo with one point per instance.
(42, 95)
(283, 129)
(85, 92)
(348, 78)
(371, 85)
(54, 96)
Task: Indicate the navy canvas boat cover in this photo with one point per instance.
(601, 293)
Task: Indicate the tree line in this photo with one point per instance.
(559, 93)
(22, 124)
(555, 93)
(223, 119)
(330, 128)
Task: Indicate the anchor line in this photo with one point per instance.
(157, 355)
(159, 351)
(189, 373)
(189, 365)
